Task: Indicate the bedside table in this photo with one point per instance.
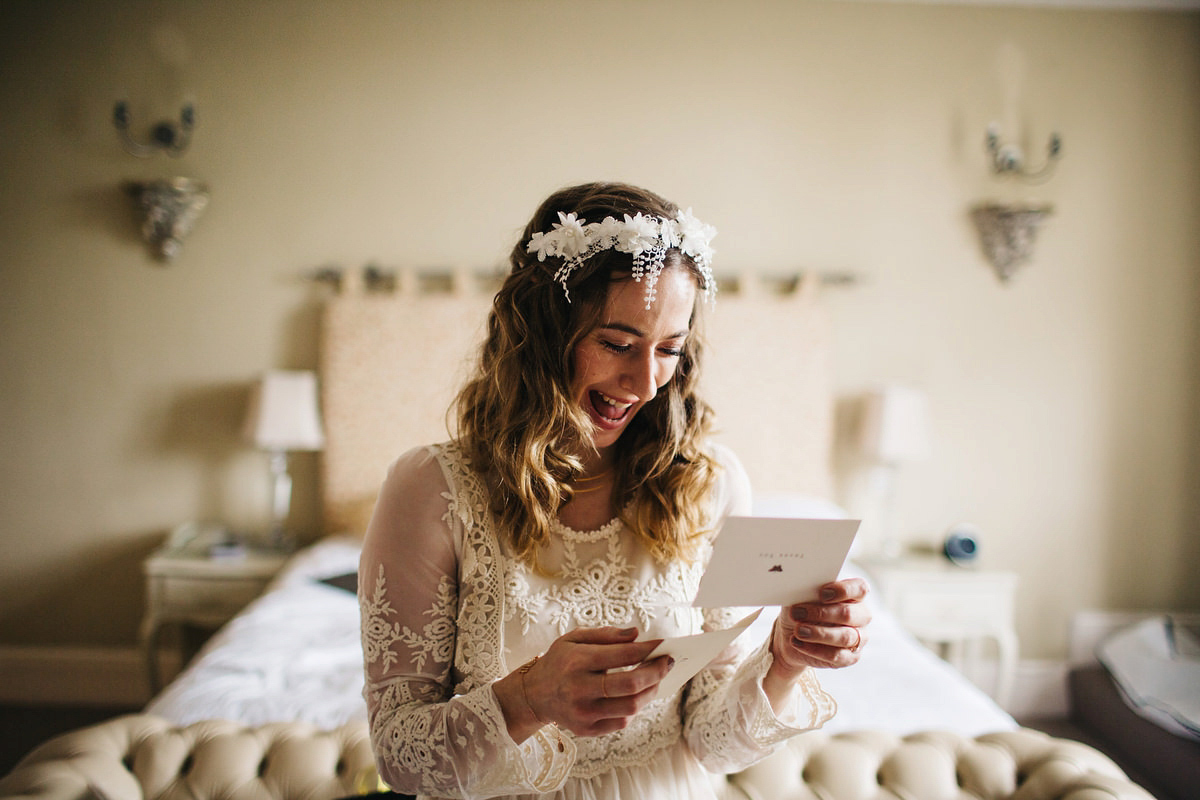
(953, 610)
(198, 578)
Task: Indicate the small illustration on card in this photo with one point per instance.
(772, 561)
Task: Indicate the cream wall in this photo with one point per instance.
(815, 135)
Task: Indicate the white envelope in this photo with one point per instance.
(767, 561)
(693, 653)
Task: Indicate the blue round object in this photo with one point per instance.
(961, 547)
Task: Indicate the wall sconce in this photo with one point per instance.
(170, 206)
(1009, 159)
(1007, 233)
(166, 137)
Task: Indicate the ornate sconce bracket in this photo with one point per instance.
(1007, 233)
(165, 137)
(170, 207)
(1008, 158)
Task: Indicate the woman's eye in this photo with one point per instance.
(618, 347)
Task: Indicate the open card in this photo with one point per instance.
(768, 561)
(693, 653)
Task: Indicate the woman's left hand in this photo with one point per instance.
(824, 633)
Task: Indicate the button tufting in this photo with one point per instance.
(920, 768)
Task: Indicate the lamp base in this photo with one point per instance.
(279, 537)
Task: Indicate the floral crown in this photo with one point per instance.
(646, 238)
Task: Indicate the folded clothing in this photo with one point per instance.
(1156, 664)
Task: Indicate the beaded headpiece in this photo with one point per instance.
(646, 238)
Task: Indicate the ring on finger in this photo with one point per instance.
(604, 683)
(857, 640)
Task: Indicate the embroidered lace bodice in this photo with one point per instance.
(445, 613)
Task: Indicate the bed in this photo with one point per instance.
(289, 667)
(294, 654)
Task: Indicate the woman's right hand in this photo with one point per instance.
(574, 684)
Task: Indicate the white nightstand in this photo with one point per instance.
(189, 581)
(954, 609)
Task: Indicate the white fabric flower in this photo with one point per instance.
(570, 235)
(695, 236)
(639, 233)
(541, 244)
(609, 231)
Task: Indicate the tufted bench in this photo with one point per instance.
(871, 765)
(140, 756)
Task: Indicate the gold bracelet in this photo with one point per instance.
(525, 668)
(557, 733)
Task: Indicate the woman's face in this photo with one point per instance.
(622, 363)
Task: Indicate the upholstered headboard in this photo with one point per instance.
(392, 362)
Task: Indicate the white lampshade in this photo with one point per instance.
(895, 425)
(283, 414)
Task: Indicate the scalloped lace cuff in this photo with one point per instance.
(543, 761)
(806, 707)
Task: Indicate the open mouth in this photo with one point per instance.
(608, 409)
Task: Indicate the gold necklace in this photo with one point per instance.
(585, 491)
(592, 479)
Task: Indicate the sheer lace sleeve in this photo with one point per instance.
(728, 720)
(427, 739)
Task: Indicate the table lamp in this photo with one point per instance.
(894, 430)
(282, 416)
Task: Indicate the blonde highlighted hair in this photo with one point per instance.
(520, 427)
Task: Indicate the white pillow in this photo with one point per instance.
(795, 505)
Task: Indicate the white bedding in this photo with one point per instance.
(295, 654)
(292, 654)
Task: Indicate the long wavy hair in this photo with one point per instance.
(523, 431)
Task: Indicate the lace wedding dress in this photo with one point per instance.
(445, 613)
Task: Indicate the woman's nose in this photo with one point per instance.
(641, 378)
